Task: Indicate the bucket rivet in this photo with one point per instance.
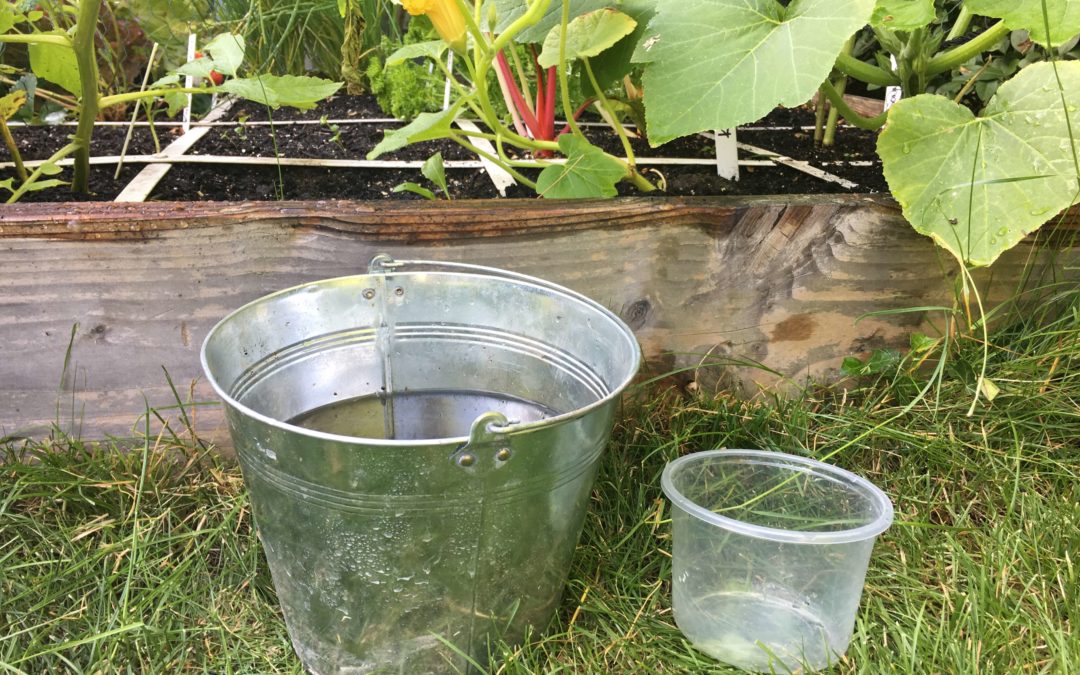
(503, 454)
(369, 293)
(399, 291)
(466, 460)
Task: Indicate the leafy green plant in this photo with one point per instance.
(71, 62)
(334, 129)
(588, 171)
(977, 184)
(434, 170)
(405, 87)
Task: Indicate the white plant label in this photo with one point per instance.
(893, 93)
(727, 154)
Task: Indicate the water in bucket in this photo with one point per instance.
(418, 415)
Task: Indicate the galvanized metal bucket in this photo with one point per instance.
(439, 506)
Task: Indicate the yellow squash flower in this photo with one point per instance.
(446, 17)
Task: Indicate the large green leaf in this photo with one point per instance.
(904, 15)
(426, 127)
(588, 172)
(1063, 15)
(56, 63)
(587, 35)
(978, 185)
(508, 11)
(715, 64)
(296, 91)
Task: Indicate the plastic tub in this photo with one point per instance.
(770, 555)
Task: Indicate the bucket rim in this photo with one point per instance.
(468, 271)
(858, 484)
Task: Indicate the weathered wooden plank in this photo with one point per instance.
(776, 280)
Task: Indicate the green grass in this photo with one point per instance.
(146, 560)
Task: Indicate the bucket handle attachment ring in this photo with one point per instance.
(488, 443)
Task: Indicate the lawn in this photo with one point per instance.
(145, 560)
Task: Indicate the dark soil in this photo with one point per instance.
(187, 182)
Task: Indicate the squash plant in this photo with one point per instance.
(977, 184)
(70, 61)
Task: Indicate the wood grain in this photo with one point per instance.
(134, 288)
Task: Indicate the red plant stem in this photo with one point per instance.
(541, 115)
(518, 99)
(549, 109)
(584, 106)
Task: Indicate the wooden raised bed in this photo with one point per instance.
(134, 288)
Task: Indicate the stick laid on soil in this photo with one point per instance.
(143, 184)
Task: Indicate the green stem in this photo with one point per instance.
(86, 58)
(829, 136)
(957, 56)
(607, 106)
(865, 72)
(962, 23)
(819, 115)
(568, 108)
(985, 340)
(529, 18)
(487, 155)
(457, 86)
(476, 134)
(13, 148)
(473, 26)
(853, 118)
(36, 38)
(117, 99)
(521, 163)
(523, 81)
(57, 156)
(640, 182)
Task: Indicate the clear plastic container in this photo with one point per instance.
(770, 555)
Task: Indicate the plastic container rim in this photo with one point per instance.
(475, 271)
(856, 483)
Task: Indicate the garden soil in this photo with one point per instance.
(783, 131)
